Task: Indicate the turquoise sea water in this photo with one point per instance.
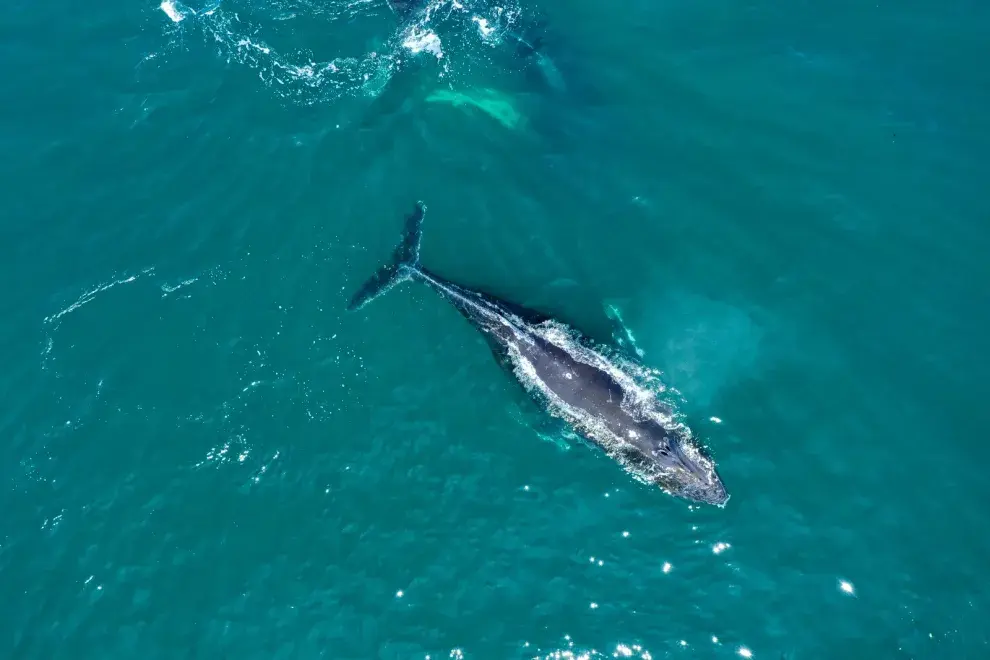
(203, 456)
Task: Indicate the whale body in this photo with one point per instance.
(421, 13)
(589, 390)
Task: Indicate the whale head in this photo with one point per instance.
(674, 463)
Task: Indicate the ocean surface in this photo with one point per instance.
(783, 207)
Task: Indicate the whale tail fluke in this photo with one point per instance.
(404, 262)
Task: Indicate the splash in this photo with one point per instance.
(483, 27)
(173, 11)
(242, 34)
(417, 41)
(295, 76)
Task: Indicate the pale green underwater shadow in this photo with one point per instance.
(497, 105)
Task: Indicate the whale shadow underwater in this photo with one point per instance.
(572, 380)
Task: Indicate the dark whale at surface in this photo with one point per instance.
(589, 390)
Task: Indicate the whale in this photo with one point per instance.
(572, 378)
(417, 48)
(527, 39)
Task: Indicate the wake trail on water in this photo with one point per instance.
(454, 33)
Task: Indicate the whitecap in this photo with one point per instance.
(172, 10)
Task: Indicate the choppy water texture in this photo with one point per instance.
(203, 456)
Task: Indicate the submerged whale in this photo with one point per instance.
(526, 39)
(568, 376)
